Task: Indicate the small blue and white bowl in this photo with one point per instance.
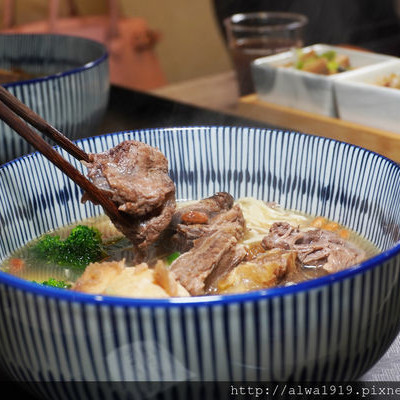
(71, 92)
(332, 328)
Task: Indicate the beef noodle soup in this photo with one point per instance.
(164, 248)
(212, 246)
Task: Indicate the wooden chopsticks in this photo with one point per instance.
(13, 112)
(41, 125)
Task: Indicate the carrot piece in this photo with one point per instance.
(331, 226)
(344, 233)
(194, 217)
(17, 265)
(319, 222)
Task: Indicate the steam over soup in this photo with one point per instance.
(212, 246)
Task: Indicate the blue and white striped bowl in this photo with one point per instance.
(73, 93)
(328, 329)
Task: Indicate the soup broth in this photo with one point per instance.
(250, 274)
(15, 75)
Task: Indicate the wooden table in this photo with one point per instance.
(219, 93)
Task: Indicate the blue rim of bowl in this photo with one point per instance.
(206, 300)
(87, 66)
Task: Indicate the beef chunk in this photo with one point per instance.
(231, 220)
(204, 217)
(135, 176)
(208, 208)
(281, 235)
(314, 247)
(227, 263)
(213, 252)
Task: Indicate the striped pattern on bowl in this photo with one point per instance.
(71, 92)
(330, 329)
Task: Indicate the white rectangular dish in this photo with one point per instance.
(361, 100)
(291, 87)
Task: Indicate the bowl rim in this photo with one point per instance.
(89, 65)
(236, 22)
(206, 300)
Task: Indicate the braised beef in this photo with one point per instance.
(213, 250)
(204, 217)
(207, 207)
(314, 247)
(227, 263)
(135, 176)
(232, 220)
(217, 251)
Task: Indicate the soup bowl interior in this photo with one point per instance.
(332, 328)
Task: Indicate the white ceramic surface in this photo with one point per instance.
(305, 90)
(361, 100)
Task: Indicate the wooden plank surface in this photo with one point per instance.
(380, 141)
(217, 92)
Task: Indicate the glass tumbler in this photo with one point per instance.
(259, 34)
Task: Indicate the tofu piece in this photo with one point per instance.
(140, 281)
(97, 276)
(135, 282)
(166, 280)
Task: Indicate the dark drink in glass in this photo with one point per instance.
(256, 35)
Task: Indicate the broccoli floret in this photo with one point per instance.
(172, 257)
(330, 55)
(80, 248)
(333, 66)
(56, 283)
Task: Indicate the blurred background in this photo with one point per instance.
(190, 45)
(192, 42)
